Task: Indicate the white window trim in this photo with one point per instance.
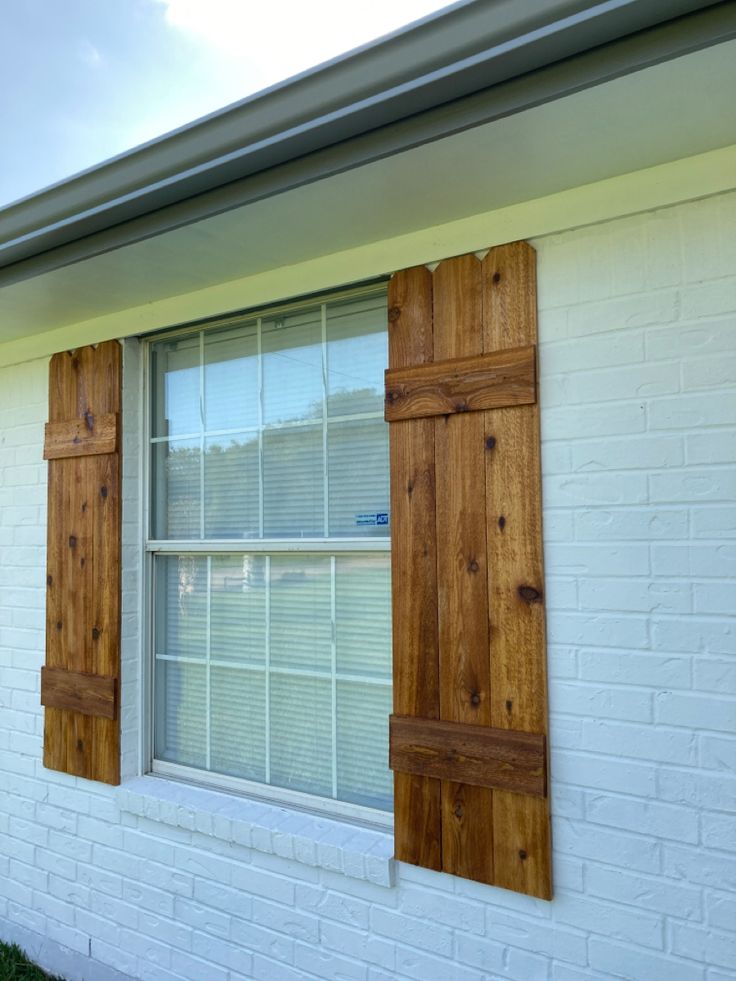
(364, 819)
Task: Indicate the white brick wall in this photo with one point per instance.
(638, 361)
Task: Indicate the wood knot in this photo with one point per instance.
(393, 314)
(458, 810)
(59, 625)
(392, 395)
(96, 632)
(72, 541)
(496, 277)
(89, 420)
(84, 507)
(49, 580)
(509, 705)
(80, 745)
(410, 488)
(490, 442)
(461, 406)
(522, 854)
(473, 565)
(103, 491)
(529, 594)
(475, 698)
(502, 522)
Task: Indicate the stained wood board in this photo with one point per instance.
(83, 562)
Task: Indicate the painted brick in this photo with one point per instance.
(648, 892)
(715, 597)
(647, 817)
(701, 711)
(703, 945)
(717, 752)
(602, 702)
(719, 831)
(617, 667)
(699, 866)
(409, 930)
(617, 961)
(714, 522)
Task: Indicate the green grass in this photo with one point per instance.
(15, 966)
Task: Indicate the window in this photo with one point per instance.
(269, 550)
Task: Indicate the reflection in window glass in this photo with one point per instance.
(231, 378)
(273, 665)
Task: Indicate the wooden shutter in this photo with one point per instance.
(468, 734)
(80, 682)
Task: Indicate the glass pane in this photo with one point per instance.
(231, 486)
(301, 734)
(231, 378)
(292, 367)
(175, 387)
(177, 511)
(238, 712)
(293, 483)
(181, 606)
(181, 713)
(301, 618)
(238, 609)
(363, 775)
(357, 355)
(357, 456)
(363, 615)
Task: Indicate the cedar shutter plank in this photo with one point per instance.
(414, 569)
(521, 824)
(83, 563)
(467, 825)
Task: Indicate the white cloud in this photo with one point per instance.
(284, 37)
(88, 54)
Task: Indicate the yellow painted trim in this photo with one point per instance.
(645, 190)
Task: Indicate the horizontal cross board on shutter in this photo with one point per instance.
(470, 754)
(484, 381)
(74, 691)
(81, 437)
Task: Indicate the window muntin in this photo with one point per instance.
(270, 551)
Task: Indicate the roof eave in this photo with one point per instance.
(473, 48)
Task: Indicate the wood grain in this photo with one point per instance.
(521, 825)
(81, 437)
(73, 691)
(417, 819)
(477, 755)
(467, 826)
(485, 381)
(83, 562)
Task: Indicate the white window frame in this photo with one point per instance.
(357, 813)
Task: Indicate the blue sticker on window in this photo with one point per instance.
(372, 519)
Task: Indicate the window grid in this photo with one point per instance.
(336, 547)
(333, 676)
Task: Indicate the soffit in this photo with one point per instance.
(670, 111)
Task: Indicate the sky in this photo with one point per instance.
(84, 80)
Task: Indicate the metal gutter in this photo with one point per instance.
(478, 60)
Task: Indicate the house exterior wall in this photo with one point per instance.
(638, 373)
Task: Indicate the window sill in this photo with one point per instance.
(326, 843)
